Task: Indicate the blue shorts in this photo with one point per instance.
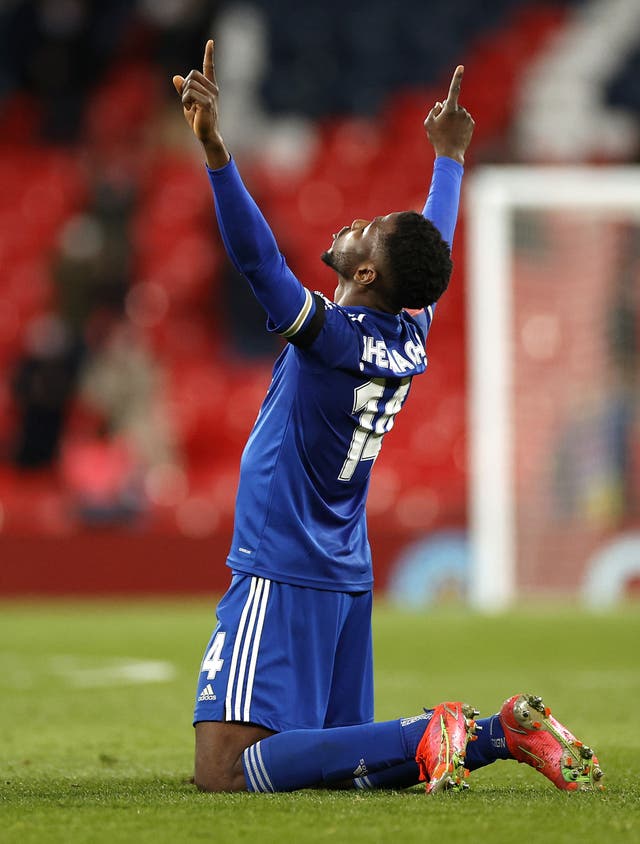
(288, 657)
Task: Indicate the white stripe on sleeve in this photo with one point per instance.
(298, 322)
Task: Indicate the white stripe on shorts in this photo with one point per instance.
(237, 699)
(256, 647)
(236, 650)
(245, 652)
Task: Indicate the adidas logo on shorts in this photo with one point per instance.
(207, 693)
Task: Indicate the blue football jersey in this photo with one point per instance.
(335, 392)
(304, 475)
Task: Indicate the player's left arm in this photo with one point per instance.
(449, 128)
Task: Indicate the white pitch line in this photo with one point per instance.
(115, 672)
(81, 671)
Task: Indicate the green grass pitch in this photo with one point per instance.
(96, 743)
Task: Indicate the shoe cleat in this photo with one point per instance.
(442, 748)
(547, 745)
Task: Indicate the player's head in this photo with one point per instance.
(398, 261)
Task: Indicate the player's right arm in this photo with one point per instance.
(247, 237)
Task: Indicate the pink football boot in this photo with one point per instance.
(535, 737)
(440, 754)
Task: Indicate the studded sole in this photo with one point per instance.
(580, 768)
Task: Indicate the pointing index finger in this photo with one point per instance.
(207, 62)
(454, 88)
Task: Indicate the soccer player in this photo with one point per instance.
(285, 694)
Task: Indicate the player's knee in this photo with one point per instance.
(218, 769)
(218, 780)
(218, 757)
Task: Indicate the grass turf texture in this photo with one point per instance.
(88, 754)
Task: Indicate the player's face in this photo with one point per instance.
(357, 243)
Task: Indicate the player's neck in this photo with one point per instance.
(364, 298)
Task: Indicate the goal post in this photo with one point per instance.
(561, 212)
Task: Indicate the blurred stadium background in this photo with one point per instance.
(134, 360)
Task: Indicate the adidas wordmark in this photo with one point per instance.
(207, 693)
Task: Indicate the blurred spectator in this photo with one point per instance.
(181, 27)
(103, 478)
(56, 49)
(43, 384)
(597, 457)
(121, 381)
(246, 320)
(92, 269)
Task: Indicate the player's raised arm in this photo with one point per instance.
(449, 128)
(199, 94)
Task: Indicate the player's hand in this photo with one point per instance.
(199, 95)
(449, 126)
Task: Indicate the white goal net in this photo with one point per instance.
(554, 349)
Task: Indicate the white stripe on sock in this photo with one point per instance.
(236, 650)
(261, 764)
(255, 649)
(247, 767)
(237, 709)
(262, 786)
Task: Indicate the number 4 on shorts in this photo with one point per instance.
(213, 661)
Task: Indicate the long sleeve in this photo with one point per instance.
(441, 208)
(442, 203)
(253, 250)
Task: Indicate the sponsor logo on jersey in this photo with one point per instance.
(207, 693)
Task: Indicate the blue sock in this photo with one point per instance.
(406, 774)
(303, 758)
(400, 776)
(413, 729)
(489, 746)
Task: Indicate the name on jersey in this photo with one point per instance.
(376, 352)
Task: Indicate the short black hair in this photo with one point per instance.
(418, 261)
